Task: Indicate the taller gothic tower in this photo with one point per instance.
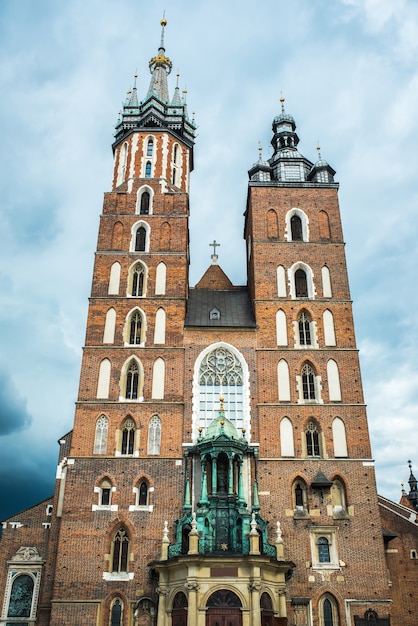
(219, 471)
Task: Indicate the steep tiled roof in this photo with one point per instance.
(214, 278)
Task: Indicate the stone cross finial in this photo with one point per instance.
(215, 245)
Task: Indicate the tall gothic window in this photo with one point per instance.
(120, 551)
(148, 169)
(135, 328)
(128, 437)
(308, 382)
(140, 239)
(116, 612)
(296, 228)
(143, 493)
(304, 322)
(132, 380)
(138, 280)
(145, 203)
(100, 440)
(313, 447)
(221, 374)
(154, 435)
(301, 284)
(150, 146)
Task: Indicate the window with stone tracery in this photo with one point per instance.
(221, 374)
(100, 439)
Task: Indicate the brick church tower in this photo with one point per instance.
(219, 471)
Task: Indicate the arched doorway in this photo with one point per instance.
(179, 614)
(224, 609)
(267, 614)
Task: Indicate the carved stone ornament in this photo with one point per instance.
(254, 586)
(192, 585)
(26, 554)
(163, 591)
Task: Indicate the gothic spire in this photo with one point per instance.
(160, 67)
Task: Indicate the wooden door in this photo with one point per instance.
(224, 617)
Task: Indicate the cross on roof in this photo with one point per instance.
(215, 245)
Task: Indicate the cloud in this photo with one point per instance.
(13, 412)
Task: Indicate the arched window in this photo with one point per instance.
(131, 382)
(179, 613)
(283, 381)
(123, 159)
(301, 284)
(116, 611)
(220, 373)
(296, 228)
(128, 437)
(148, 169)
(329, 331)
(114, 280)
(135, 328)
(117, 236)
(281, 328)
(158, 379)
(308, 383)
(286, 438)
(334, 386)
(281, 282)
(326, 282)
(159, 331)
(21, 597)
(304, 326)
(150, 146)
(323, 550)
(300, 498)
(160, 279)
(143, 493)
(100, 439)
(109, 329)
(272, 225)
(339, 437)
(138, 275)
(120, 556)
(140, 239)
(165, 236)
(145, 203)
(324, 229)
(103, 383)
(105, 492)
(338, 499)
(313, 447)
(154, 435)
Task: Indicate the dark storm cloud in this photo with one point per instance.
(13, 412)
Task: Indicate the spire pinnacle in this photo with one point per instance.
(163, 25)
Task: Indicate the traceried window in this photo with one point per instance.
(221, 374)
(296, 228)
(140, 239)
(132, 380)
(100, 439)
(135, 328)
(120, 558)
(128, 437)
(304, 323)
(138, 280)
(301, 284)
(313, 447)
(154, 435)
(308, 382)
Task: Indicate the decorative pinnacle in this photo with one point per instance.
(221, 404)
(318, 147)
(282, 101)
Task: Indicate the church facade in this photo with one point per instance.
(219, 471)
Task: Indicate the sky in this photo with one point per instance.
(349, 74)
